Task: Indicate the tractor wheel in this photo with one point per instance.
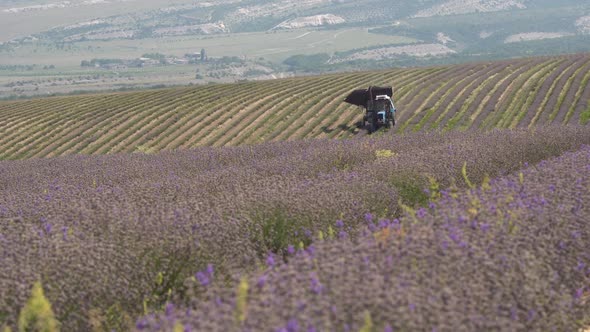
(372, 127)
(362, 124)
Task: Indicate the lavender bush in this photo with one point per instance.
(512, 255)
(115, 237)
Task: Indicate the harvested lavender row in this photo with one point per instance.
(511, 255)
(112, 236)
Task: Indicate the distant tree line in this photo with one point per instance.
(154, 56)
(18, 67)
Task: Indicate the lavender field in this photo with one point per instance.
(516, 93)
(461, 231)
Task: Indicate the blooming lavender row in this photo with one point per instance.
(511, 255)
(112, 237)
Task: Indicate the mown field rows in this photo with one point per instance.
(505, 94)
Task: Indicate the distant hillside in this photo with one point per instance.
(507, 94)
(473, 29)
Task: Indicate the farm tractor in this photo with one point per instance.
(378, 105)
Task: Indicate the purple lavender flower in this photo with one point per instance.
(484, 227)
(388, 328)
(368, 217)
(270, 260)
(203, 278)
(454, 235)
(513, 314)
(169, 309)
(141, 324)
(339, 223)
(292, 325)
(290, 249)
(421, 213)
(261, 281)
(372, 227)
(301, 305)
(531, 315)
(493, 208)
(578, 294)
(389, 261)
(47, 226)
(316, 286)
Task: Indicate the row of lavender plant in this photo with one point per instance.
(111, 237)
(510, 255)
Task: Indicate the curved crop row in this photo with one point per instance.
(525, 95)
(416, 104)
(542, 95)
(508, 93)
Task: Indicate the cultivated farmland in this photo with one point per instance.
(457, 231)
(504, 94)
